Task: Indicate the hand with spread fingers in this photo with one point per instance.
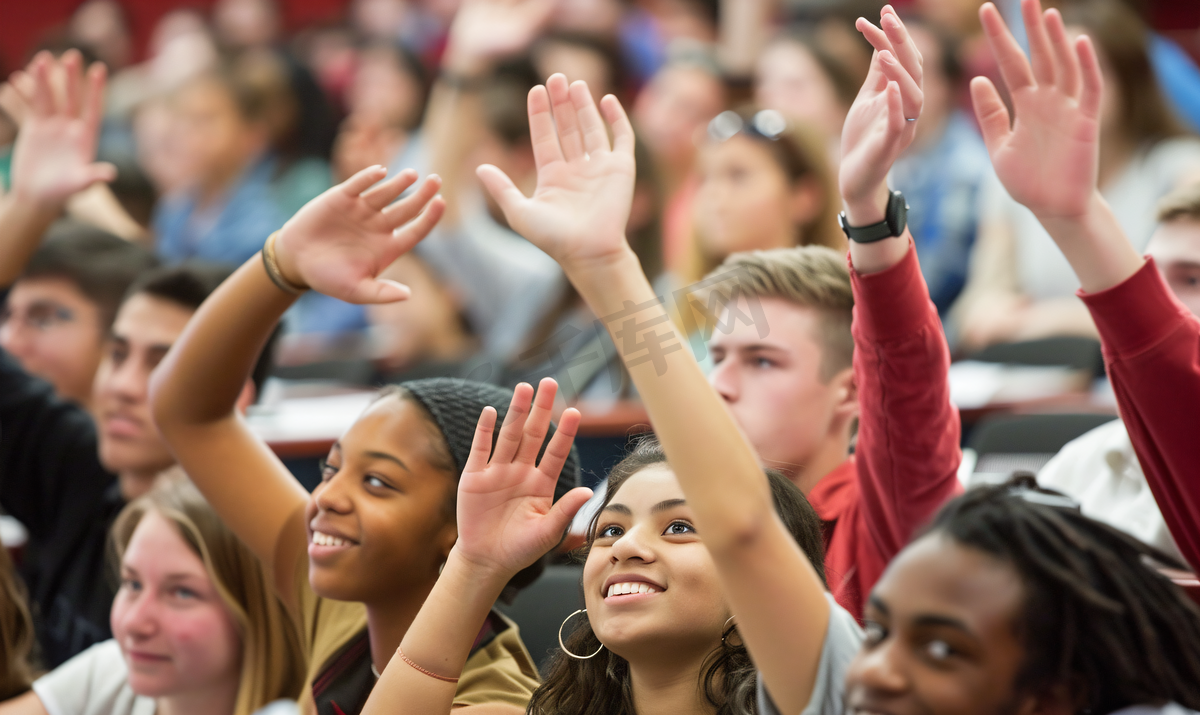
(506, 518)
(882, 121)
(55, 153)
(342, 240)
(1047, 156)
(581, 205)
(486, 30)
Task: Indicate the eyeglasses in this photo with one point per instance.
(40, 316)
(766, 124)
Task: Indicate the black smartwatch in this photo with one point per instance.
(893, 223)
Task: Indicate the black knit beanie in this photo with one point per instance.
(456, 404)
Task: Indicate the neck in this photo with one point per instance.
(216, 699)
(827, 457)
(134, 484)
(214, 186)
(387, 623)
(669, 685)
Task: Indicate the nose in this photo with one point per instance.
(139, 617)
(15, 337)
(879, 670)
(633, 545)
(724, 379)
(333, 495)
(128, 380)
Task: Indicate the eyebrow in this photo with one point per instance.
(667, 505)
(619, 508)
(387, 457)
(926, 619)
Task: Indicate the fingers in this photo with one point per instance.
(1040, 53)
(363, 180)
(514, 424)
(72, 63)
(369, 291)
(382, 194)
(991, 113)
(538, 423)
(405, 209)
(410, 235)
(12, 102)
(622, 128)
(481, 443)
(1014, 68)
(1065, 61)
(560, 515)
(910, 91)
(100, 171)
(502, 189)
(93, 102)
(1092, 80)
(903, 46)
(541, 128)
(559, 449)
(595, 134)
(43, 94)
(570, 135)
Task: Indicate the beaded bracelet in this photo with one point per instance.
(271, 264)
(418, 668)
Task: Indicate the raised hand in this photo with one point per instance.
(55, 153)
(506, 518)
(584, 189)
(342, 240)
(882, 121)
(1047, 158)
(485, 30)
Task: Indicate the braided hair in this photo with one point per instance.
(1098, 616)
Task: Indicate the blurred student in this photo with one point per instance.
(64, 474)
(1020, 287)
(196, 626)
(355, 559)
(58, 313)
(17, 637)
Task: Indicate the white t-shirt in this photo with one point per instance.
(1100, 471)
(842, 641)
(95, 682)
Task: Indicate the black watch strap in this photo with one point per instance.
(895, 219)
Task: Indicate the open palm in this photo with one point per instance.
(506, 515)
(342, 240)
(484, 30)
(55, 153)
(1047, 159)
(585, 184)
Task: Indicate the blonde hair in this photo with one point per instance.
(810, 276)
(273, 665)
(1182, 203)
(16, 633)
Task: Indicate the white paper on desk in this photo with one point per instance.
(977, 384)
(309, 418)
(973, 383)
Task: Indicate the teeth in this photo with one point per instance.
(621, 589)
(323, 539)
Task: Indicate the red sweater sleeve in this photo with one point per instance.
(1152, 348)
(908, 436)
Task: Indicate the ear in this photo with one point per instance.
(1061, 699)
(807, 201)
(846, 405)
(246, 397)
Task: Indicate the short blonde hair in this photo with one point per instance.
(809, 276)
(273, 665)
(1182, 203)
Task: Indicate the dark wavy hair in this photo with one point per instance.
(601, 685)
(1098, 617)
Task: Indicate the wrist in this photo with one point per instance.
(35, 205)
(488, 576)
(463, 65)
(283, 258)
(867, 209)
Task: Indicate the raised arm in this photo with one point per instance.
(54, 155)
(337, 244)
(1047, 159)
(578, 215)
(506, 522)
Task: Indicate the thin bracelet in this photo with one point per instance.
(271, 265)
(418, 668)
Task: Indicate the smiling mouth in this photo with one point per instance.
(630, 588)
(320, 538)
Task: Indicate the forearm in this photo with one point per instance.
(743, 33)
(1056, 316)
(99, 207)
(202, 376)
(439, 641)
(1095, 246)
(22, 223)
(452, 129)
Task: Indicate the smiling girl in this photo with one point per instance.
(354, 560)
(196, 629)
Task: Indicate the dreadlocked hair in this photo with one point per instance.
(1098, 617)
(602, 685)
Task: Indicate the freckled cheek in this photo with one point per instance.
(205, 641)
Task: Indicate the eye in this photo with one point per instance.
(873, 633)
(375, 482)
(938, 649)
(762, 362)
(131, 584)
(611, 531)
(118, 353)
(679, 528)
(185, 593)
(327, 470)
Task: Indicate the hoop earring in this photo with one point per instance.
(725, 627)
(564, 647)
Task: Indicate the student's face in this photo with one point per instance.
(385, 91)
(792, 81)
(144, 330)
(672, 111)
(54, 331)
(773, 384)
(941, 635)
(216, 140)
(1175, 247)
(745, 199)
(646, 537)
(380, 522)
(174, 629)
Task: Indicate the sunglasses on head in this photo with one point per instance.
(766, 124)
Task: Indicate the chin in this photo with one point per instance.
(153, 686)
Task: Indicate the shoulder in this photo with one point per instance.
(501, 672)
(95, 682)
(1085, 456)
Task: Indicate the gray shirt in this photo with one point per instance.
(842, 641)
